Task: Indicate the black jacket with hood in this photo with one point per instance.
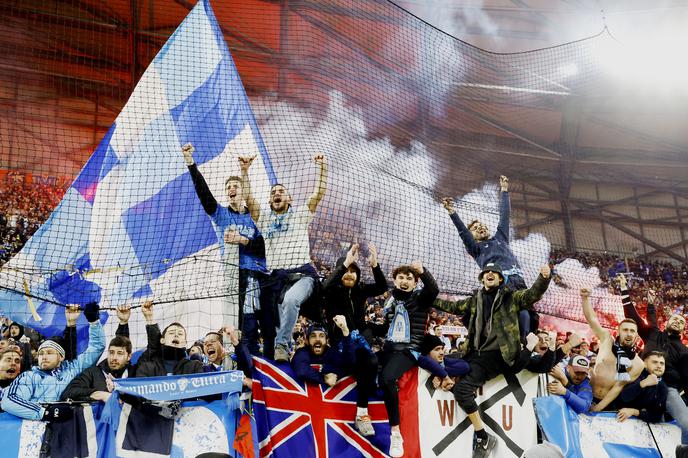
(350, 302)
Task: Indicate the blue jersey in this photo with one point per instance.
(251, 256)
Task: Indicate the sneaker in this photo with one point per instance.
(483, 447)
(365, 426)
(281, 354)
(396, 446)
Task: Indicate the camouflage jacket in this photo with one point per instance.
(506, 307)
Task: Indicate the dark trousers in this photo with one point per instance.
(485, 366)
(249, 322)
(365, 373)
(395, 364)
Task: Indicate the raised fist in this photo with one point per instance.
(245, 162)
(448, 204)
(504, 183)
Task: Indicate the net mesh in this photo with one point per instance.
(404, 113)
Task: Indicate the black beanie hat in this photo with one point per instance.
(429, 342)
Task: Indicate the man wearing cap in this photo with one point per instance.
(317, 362)
(494, 342)
(30, 395)
(573, 384)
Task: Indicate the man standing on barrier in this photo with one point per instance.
(494, 342)
(293, 278)
(346, 295)
(244, 266)
(406, 311)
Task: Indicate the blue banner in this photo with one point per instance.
(198, 428)
(174, 387)
(601, 434)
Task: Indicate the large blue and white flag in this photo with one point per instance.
(131, 225)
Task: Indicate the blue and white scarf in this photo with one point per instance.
(400, 325)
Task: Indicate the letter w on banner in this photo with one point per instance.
(131, 224)
(308, 420)
(433, 424)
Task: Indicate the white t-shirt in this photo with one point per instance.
(286, 237)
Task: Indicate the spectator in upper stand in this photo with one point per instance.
(646, 397)
(669, 343)
(345, 295)
(166, 352)
(494, 342)
(442, 368)
(406, 311)
(496, 250)
(95, 383)
(317, 362)
(235, 228)
(573, 384)
(293, 278)
(30, 395)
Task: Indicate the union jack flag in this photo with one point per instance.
(307, 421)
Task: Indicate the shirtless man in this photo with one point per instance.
(616, 360)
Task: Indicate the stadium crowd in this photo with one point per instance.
(339, 325)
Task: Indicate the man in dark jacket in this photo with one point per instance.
(494, 342)
(317, 362)
(166, 352)
(668, 342)
(645, 397)
(406, 311)
(95, 383)
(346, 295)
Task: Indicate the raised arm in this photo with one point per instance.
(651, 311)
(205, 196)
(320, 186)
(591, 316)
(72, 313)
(380, 285)
(154, 346)
(504, 208)
(123, 314)
(96, 339)
(430, 289)
(526, 298)
(251, 202)
(335, 277)
(464, 233)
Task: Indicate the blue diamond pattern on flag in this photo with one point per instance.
(131, 225)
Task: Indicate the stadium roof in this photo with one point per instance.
(73, 64)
